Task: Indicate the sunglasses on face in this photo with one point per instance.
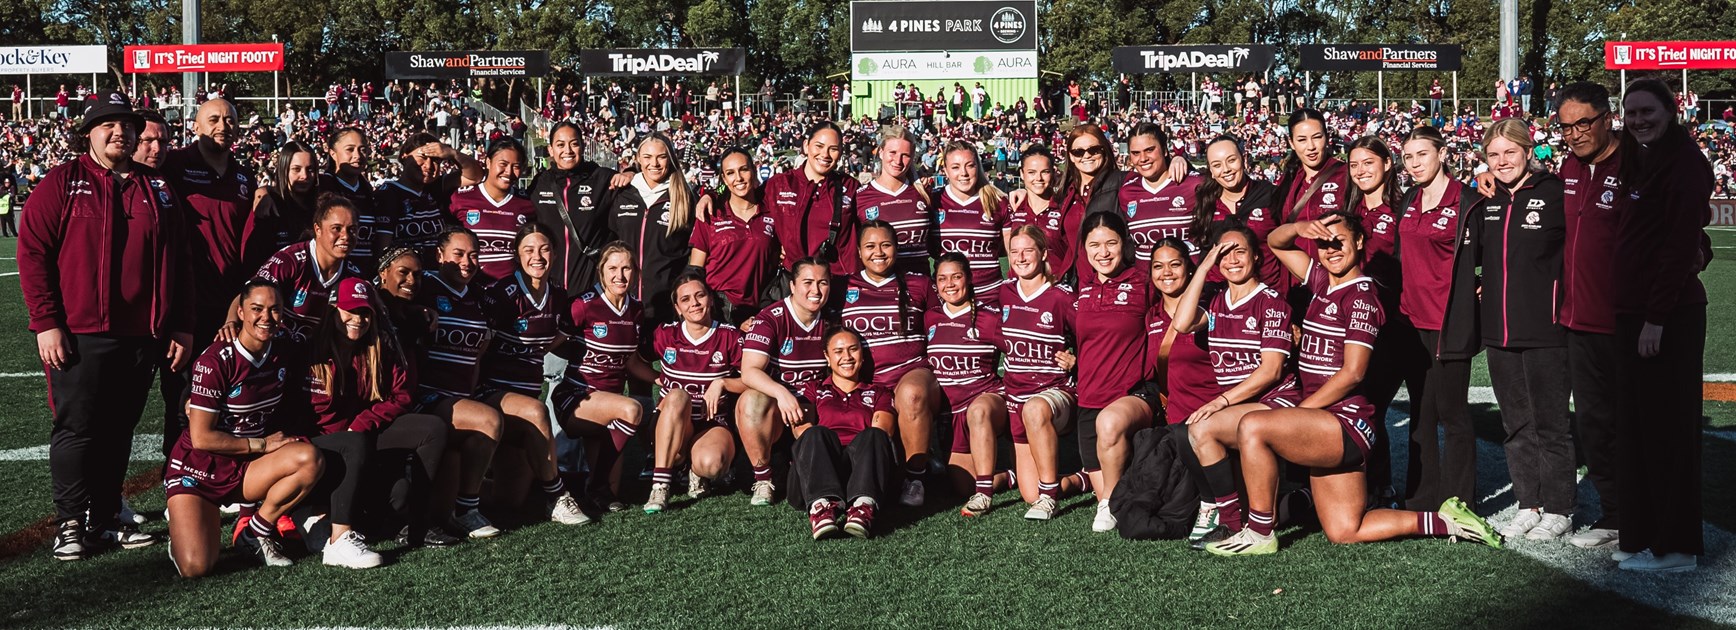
(1096, 149)
(1330, 245)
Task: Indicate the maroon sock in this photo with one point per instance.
(1049, 489)
(985, 484)
(1261, 522)
(1431, 524)
(661, 475)
(620, 432)
(1229, 511)
(1084, 480)
(762, 473)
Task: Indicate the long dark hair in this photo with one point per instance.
(754, 196)
(280, 172)
(903, 286)
(1389, 192)
(1209, 190)
(1292, 163)
(956, 258)
(1254, 252)
(1116, 223)
(334, 356)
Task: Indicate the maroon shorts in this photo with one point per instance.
(568, 394)
(958, 402)
(209, 476)
(889, 380)
(1355, 415)
(1285, 394)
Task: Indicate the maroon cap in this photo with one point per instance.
(355, 294)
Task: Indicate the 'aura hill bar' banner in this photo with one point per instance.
(1374, 57)
(266, 57)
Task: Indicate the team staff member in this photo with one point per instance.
(283, 208)
(1314, 180)
(1036, 329)
(153, 139)
(972, 219)
(1088, 186)
(1109, 319)
(416, 200)
(737, 247)
(1158, 205)
(1443, 311)
(1516, 239)
(813, 207)
(1230, 195)
(1660, 256)
(108, 298)
(781, 352)
(699, 380)
(348, 150)
(886, 308)
(654, 217)
(842, 457)
(234, 449)
(891, 197)
(568, 197)
(591, 399)
(1328, 431)
(963, 353)
(492, 211)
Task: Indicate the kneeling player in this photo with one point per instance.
(234, 449)
(1330, 430)
(701, 359)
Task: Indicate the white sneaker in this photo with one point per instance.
(697, 486)
(1521, 523)
(351, 552)
(1618, 555)
(1595, 538)
(1551, 527)
(473, 524)
(566, 511)
(1104, 521)
(1043, 509)
(228, 508)
(913, 493)
(762, 493)
(659, 498)
(1667, 563)
(129, 516)
(977, 505)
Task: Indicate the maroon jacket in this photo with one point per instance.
(1664, 246)
(803, 212)
(1593, 201)
(66, 258)
(350, 410)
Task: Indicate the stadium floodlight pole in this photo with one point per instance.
(189, 35)
(1509, 40)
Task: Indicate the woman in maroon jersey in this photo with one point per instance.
(1036, 329)
(1248, 336)
(1178, 368)
(1313, 183)
(348, 151)
(701, 360)
(887, 307)
(813, 206)
(1230, 194)
(963, 353)
(783, 350)
(1158, 204)
(492, 210)
(1329, 429)
(972, 219)
(591, 400)
(1109, 319)
(894, 198)
(447, 375)
(1037, 205)
(526, 313)
(1427, 243)
(737, 246)
(234, 449)
(307, 272)
(842, 458)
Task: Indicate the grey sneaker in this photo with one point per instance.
(659, 498)
(473, 524)
(1042, 510)
(697, 486)
(977, 505)
(762, 493)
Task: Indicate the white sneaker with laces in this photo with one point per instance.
(1043, 509)
(1104, 521)
(474, 525)
(913, 493)
(566, 511)
(762, 493)
(977, 505)
(1521, 523)
(1595, 538)
(351, 552)
(1551, 527)
(659, 499)
(697, 486)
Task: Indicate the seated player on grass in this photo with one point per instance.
(842, 458)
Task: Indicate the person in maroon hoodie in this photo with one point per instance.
(1662, 327)
(812, 207)
(106, 288)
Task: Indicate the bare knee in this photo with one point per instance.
(194, 563)
(632, 411)
(1035, 419)
(1253, 431)
(483, 420)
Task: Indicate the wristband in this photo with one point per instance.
(255, 445)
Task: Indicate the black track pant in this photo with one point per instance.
(1659, 437)
(96, 402)
(1399, 359)
(1531, 388)
(1595, 364)
(1441, 469)
(822, 466)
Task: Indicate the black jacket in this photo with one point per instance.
(568, 201)
(1460, 338)
(1517, 238)
(1155, 499)
(661, 255)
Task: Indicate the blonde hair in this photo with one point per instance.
(616, 247)
(680, 198)
(889, 133)
(1516, 131)
(990, 195)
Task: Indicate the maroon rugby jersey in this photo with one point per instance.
(244, 390)
(1189, 382)
(1347, 313)
(524, 328)
(963, 228)
(216, 208)
(1238, 333)
(306, 293)
(495, 223)
(911, 220)
(1157, 213)
(895, 344)
(1033, 328)
(739, 255)
(450, 363)
(1262, 221)
(1110, 319)
(417, 219)
(611, 336)
(691, 364)
(1049, 222)
(846, 413)
(797, 352)
(963, 351)
(372, 220)
(1431, 236)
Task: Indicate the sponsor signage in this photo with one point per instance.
(53, 59)
(1159, 59)
(881, 26)
(631, 62)
(1724, 211)
(964, 66)
(460, 64)
(1330, 57)
(204, 58)
(1669, 55)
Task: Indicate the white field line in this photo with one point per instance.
(20, 374)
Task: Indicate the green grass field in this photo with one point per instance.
(719, 563)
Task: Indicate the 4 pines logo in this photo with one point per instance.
(1007, 25)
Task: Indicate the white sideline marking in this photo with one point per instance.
(8, 274)
(20, 374)
(147, 447)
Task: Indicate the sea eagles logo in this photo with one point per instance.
(1047, 318)
(1257, 214)
(599, 330)
(300, 297)
(1441, 223)
(1177, 202)
(669, 355)
(1132, 207)
(1250, 324)
(1531, 218)
(717, 357)
(789, 346)
(872, 213)
(868, 398)
(1007, 311)
(852, 295)
(1328, 198)
(1608, 197)
(1331, 310)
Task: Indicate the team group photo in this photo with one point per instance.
(936, 313)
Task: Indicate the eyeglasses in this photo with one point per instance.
(1096, 149)
(1583, 126)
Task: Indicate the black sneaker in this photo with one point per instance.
(433, 536)
(70, 542)
(1218, 534)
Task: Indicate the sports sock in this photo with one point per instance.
(467, 503)
(554, 487)
(762, 473)
(1220, 478)
(620, 432)
(985, 484)
(1431, 524)
(1084, 481)
(1049, 489)
(661, 475)
(1261, 522)
(1230, 511)
(1012, 480)
(261, 527)
(912, 471)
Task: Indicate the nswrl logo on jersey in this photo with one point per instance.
(789, 346)
(1132, 207)
(443, 304)
(940, 216)
(851, 295)
(872, 213)
(599, 330)
(1006, 311)
(669, 356)
(522, 325)
(236, 391)
(931, 330)
(300, 297)
(473, 217)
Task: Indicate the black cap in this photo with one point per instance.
(108, 106)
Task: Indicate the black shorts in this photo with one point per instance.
(1353, 456)
(1149, 391)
